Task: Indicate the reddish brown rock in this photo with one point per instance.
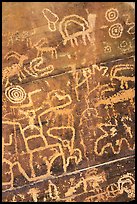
(68, 101)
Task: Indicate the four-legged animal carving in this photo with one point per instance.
(43, 48)
(15, 69)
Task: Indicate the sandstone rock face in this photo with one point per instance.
(68, 101)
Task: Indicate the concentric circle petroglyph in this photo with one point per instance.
(15, 94)
(116, 30)
(111, 15)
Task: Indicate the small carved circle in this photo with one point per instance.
(111, 15)
(125, 46)
(116, 30)
(15, 94)
(107, 49)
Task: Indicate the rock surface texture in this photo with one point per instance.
(68, 107)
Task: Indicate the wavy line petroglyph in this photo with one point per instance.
(35, 69)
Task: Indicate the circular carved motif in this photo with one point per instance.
(15, 94)
(116, 30)
(111, 15)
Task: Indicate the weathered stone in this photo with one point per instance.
(68, 89)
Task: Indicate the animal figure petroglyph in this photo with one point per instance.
(105, 96)
(15, 69)
(105, 140)
(117, 72)
(121, 96)
(86, 29)
(34, 69)
(109, 139)
(42, 48)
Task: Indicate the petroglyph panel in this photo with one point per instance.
(94, 184)
(68, 102)
(80, 37)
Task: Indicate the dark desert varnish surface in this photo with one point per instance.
(68, 85)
